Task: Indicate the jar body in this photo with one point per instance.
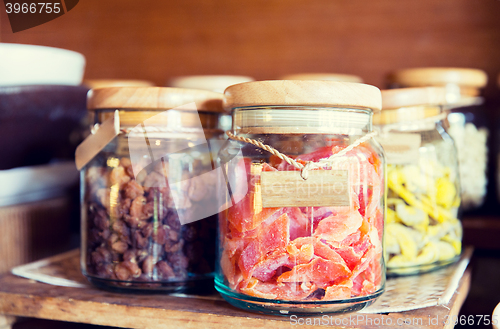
(283, 252)
(468, 126)
(145, 220)
(423, 231)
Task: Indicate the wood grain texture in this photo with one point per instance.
(266, 39)
(296, 92)
(439, 77)
(28, 232)
(403, 97)
(28, 298)
(153, 98)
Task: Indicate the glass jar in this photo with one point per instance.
(467, 122)
(295, 239)
(147, 202)
(422, 230)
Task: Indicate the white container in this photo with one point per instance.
(37, 65)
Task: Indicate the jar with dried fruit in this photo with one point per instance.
(467, 122)
(301, 230)
(422, 230)
(148, 182)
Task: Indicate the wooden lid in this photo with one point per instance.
(323, 77)
(437, 76)
(405, 97)
(217, 83)
(105, 83)
(303, 93)
(406, 114)
(153, 98)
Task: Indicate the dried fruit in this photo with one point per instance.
(133, 228)
(307, 253)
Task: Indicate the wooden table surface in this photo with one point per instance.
(28, 298)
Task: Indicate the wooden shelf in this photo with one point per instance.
(28, 298)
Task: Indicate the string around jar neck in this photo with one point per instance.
(310, 165)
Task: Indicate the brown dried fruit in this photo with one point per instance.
(127, 243)
(100, 255)
(133, 268)
(140, 210)
(140, 242)
(173, 235)
(130, 256)
(133, 190)
(125, 162)
(172, 220)
(120, 228)
(133, 222)
(147, 230)
(119, 177)
(124, 207)
(119, 246)
(101, 220)
(165, 270)
(173, 247)
(113, 238)
(149, 264)
(104, 270)
(122, 273)
(160, 235)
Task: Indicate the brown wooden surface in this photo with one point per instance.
(22, 297)
(157, 40)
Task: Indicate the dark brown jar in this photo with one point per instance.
(148, 179)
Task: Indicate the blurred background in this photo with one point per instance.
(159, 40)
(266, 39)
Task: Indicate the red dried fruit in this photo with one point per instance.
(318, 270)
(330, 253)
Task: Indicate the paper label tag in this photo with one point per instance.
(323, 188)
(94, 144)
(400, 148)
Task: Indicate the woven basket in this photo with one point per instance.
(33, 230)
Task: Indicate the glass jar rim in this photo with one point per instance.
(407, 114)
(173, 119)
(300, 120)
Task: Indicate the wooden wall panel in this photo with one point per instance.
(266, 38)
